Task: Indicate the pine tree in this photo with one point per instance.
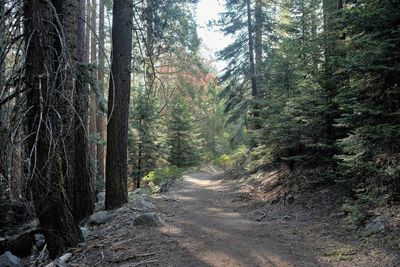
(369, 99)
(146, 118)
(183, 141)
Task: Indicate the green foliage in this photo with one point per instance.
(358, 209)
(156, 177)
(369, 99)
(223, 161)
(183, 140)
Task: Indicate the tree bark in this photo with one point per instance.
(258, 43)
(81, 189)
(253, 75)
(93, 98)
(46, 129)
(100, 116)
(4, 143)
(118, 105)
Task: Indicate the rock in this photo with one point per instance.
(39, 241)
(138, 191)
(376, 225)
(142, 202)
(99, 206)
(85, 232)
(149, 219)
(101, 217)
(165, 186)
(9, 260)
(101, 197)
(132, 196)
(286, 218)
(61, 261)
(122, 210)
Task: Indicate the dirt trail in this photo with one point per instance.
(210, 221)
(220, 234)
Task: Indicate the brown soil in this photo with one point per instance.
(210, 222)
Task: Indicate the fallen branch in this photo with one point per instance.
(131, 257)
(171, 235)
(101, 260)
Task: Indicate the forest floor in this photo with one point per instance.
(212, 220)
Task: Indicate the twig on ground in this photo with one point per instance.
(171, 235)
(101, 260)
(40, 256)
(131, 257)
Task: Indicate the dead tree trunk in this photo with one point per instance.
(118, 105)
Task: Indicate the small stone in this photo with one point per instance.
(9, 260)
(149, 219)
(101, 217)
(62, 261)
(39, 241)
(85, 232)
(376, 225)
(286, 218)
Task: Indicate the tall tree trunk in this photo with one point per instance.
(314, 36)
(330, 8)
(87, 36)
(258, 43)
(100, 116)
(118, 105)
(253, 75)
(4, 143)
(93, 98)
(46, 130)
(82, 192)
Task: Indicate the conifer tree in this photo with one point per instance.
(369, 98)
(182, 139)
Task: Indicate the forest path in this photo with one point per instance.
(211, 220)
(218, 232)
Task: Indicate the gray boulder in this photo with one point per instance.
(151, 219)
(9, 260)
(101, 217)
(376, 225)
(132, 196)
(142, 202)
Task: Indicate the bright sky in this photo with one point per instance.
(212, 39)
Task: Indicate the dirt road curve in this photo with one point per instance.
(217, 233)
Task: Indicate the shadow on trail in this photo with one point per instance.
(219, 235)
